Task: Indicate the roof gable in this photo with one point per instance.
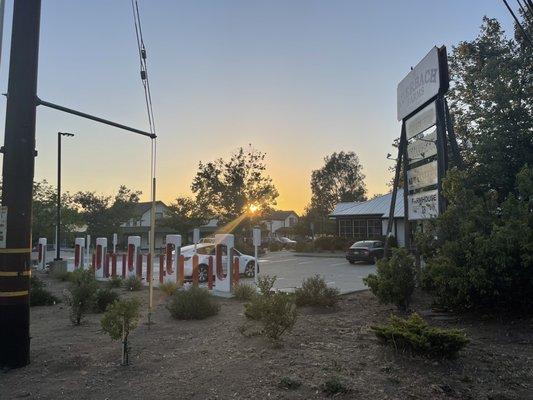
(280, 215)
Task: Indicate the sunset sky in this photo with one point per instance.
(296, 79)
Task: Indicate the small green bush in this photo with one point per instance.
(132, 283)
(103, 298)
(193, 303)
(265, 284)
(332, 243)
(316, 293)
(278, 315)
(244, 291)
(169, 288)
(120, 318)
(304, 247)
(334, 386)
(82, 292)
(275, 246)
(62, 275)
(39, 296)
(253, 310)
(289, 383)
(395, 279)
(115, 282)
(415, 335)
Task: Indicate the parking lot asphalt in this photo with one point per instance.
(291, 270)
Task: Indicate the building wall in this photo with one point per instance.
(274, 225)
(397, 230)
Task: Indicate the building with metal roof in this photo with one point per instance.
(368, 219)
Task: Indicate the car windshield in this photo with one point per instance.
(378, 244)
(360, 244)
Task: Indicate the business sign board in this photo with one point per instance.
(422, 120)
(422, 176)
(422, 83)
(423, 205)
(423, 147)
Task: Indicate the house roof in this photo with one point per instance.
(280, 215)
(378, 206)
(142, 207)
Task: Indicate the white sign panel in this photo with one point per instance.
(420, 85)
(423, 147)
(257, 236)
(423, 176)
(3, 226)
(423, 205)
(422, 120)
(196, 235)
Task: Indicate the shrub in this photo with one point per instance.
(194, 303)
(169, 288)
(395, 279)
(334, 386)
(39, 296)
(243, 291)
(275, 246)
(103, 298)
(275, 310)
(62, 275)
(478, 252)
(289, 383)
(115, 282)
(132, 283)
(332, 243)
(304, 247)
(316, 293)
(278, 315)
(415, 335)
(82, 291)
(120, 318)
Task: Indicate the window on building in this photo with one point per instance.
(346, 227)
(374, 228)
(359, 228)
(292, 221)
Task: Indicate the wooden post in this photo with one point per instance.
(139, 266)
(181, 270)
(210, 273)
(195, 270)
(113, 265)
(124, 265)
(161, 268)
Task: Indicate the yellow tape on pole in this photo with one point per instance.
(15, 251)
(15, 273)
(15, 294)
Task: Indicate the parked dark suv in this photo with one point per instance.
(367, 250)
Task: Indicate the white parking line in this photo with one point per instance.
(334, 265)
(278, 261)
(305, 262)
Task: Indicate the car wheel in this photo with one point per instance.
(249, 271)
(351, 261)
(202, 273)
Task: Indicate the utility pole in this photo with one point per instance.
(58, 211)
(17, 179)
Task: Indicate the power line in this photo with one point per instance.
(518, 23)
(524, 11)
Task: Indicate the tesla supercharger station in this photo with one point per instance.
(223, 284)
(41, 248)
(101, 251)
(171, 262)
(257, 244)
(134, 242)
(79, 253)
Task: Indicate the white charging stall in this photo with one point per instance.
(101, 251)
(79, 253)
(224, 243)
(41, 249)
(171, 261)
(134, 243)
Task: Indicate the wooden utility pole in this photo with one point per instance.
(17, 180)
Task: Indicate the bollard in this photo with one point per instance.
(93, 262)
(210, 273)
(139, 266)
(107, 260)
(181, 270)
(124, 260)
(195, 270)
(148, 269)
(236, 274)
(114, 265)
(161, 268)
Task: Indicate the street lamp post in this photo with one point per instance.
(58, 217)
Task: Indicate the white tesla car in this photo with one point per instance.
(204, 251)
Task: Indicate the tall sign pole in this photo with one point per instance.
(17, 180)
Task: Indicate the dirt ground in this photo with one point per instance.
(210, 359)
